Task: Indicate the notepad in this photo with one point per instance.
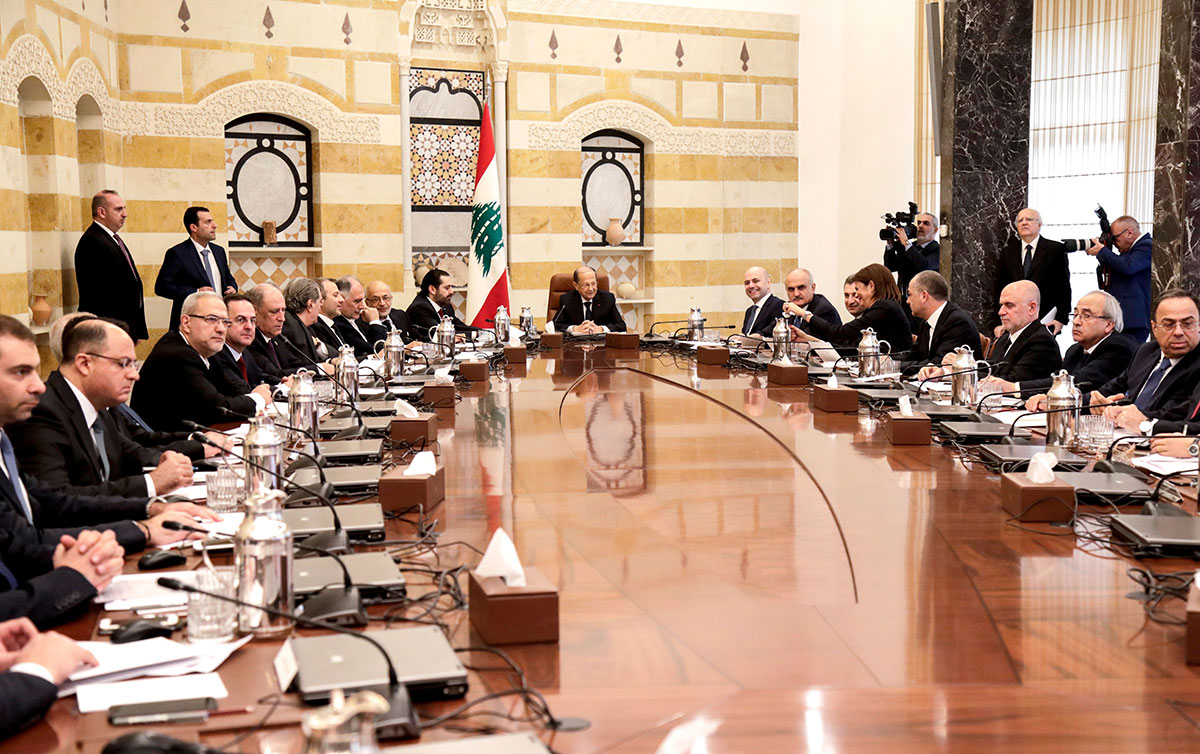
(99, 697)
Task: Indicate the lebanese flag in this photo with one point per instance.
(487, 278)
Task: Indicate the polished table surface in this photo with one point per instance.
(781, 576)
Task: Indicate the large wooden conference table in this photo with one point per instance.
(727, 554)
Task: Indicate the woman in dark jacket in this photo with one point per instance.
(882, 311)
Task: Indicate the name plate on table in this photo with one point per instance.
(621, 340)
(836, 399)
(787, 374)
(707, 354)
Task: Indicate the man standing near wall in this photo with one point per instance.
(108, 280)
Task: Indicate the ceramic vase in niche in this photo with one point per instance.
(40, 310)
(615, 233)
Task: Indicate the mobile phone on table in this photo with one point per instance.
(173, 711)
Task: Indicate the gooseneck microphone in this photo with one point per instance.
(399, 721)
(351, 433)
(1019, 417)
(672, 322)
(341, 605)
(335, 540)
(944, 375)
(314, 459)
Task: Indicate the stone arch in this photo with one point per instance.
(29, 58)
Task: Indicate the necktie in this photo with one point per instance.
(98, 436)
(242, 366)
(14, 478)
(208, 268)
(1028, 259)
(125, 251)
(8, 576)
(1145, 396)
(587, 310)
(271, 352)
(133, 416)
(751, 316)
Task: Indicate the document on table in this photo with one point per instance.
(220, 530)
(98, 697)
(1023, 419)
(133, 591)
(1157, 463)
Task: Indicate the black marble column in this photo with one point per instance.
(987, 52)
(1177, 150)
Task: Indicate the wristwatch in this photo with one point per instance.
(1147, 427)
(1194, 448)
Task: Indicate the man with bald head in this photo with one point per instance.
(764, 307)
(379, 298)
(1025, 349)
(587, 309)
(1031, 257)
(802, 294)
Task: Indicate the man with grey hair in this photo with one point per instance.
(56, 332)
(1100, 351)
(175, 387)
(1030, 256)
(303, 297)
(379, 297)
(802, 294)
(274, 358)
(357, 323)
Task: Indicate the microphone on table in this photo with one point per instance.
(972, 370)
(672, 322)
(1011, 393)
(676, 333)
(350, 433)
(341, 605)
(400, 721)
(335, 540)
(314, 459)
(1019, 417)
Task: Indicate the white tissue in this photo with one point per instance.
(405, 409)
(831, 383)
(905, 406)
(514, 337)
(423, 464)
(550, 328)
(500, 559)
(442, 376)
(1041, 468)
(785, 361)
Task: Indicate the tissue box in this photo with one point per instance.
(503, 614)
(399, 492)
(474, 371)
(787, 374)
(438, 395)
(621, 340)
(515, 355)
(1052, 502)
(707, 354)
(552, 339)
(840, 399)
(413, 430)
(909, 430)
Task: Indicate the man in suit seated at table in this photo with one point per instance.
(175, 384)
(232, 369)
(432, 303)
(303, 298)
(1100, 352)
(274, 359)
(765, 307)
(802, 293)
(944, 326)
(850, 298)
(1163, 373)
(587, 309)
(379, 298)
(32, 667)
(195, 264)
(331, 306)
(356, 323)
(72, 443)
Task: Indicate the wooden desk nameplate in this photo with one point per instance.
(1051, 502)
(787, 374)
(707, 354)
(838, 399)
(909, 430)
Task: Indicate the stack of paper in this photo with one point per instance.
(138, 591)
(1162, 465)
(150, 657)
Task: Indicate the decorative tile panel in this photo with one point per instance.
(250, 271)
(268, 176)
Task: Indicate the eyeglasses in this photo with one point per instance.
(1086, 316)
(213, 319)
(1170, 324)
(124, 363)
(376, 299)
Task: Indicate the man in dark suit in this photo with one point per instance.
(906, 257)
(587, 309)
(232, 370)
(357, 323)
(1127, 275)
(175, 383)
(274, 359)
(303, 297)
(1098, 354)
(379, 298)
(765, 307)
(944, 326)
(1163, 373)
(108, 280)
(72, 443)
(331, 306)
(1031, 257)
(32, 667)
(196, 264)
(432, 303)
(1025, 349)
(802, 294)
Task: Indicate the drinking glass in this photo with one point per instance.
(222, 490)
(1094, 433)
(211, 619)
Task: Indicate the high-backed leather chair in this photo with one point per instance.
(562, 282)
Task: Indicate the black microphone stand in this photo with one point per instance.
(341, 605)
(350, 433)
(400, 721)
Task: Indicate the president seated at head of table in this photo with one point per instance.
(587, 309)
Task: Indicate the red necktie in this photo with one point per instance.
(125, 251)
(242, 366)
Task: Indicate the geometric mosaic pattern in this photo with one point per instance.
(427, 78)
(436, 259)
(443, 164)
(620, 268)
(250, 271)
(268, 175)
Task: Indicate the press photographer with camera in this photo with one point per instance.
(912, 245)
(1031, 257)
(1126, 275)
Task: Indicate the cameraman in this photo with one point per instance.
(908, 257)
(1128, 274)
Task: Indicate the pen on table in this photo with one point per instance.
(230, 711)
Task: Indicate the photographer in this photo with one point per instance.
(906, 256)
(1127, 275)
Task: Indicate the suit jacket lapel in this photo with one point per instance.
(83, 433)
